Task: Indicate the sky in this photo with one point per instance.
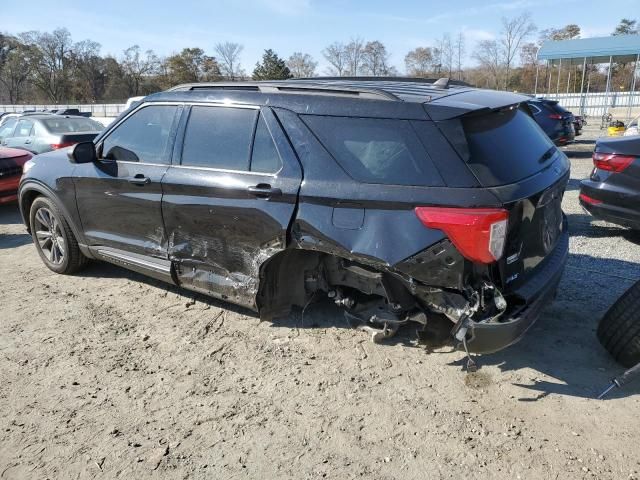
(287, 26)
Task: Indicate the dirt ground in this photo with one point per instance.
(108, 374)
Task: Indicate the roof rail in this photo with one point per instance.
(289, 86)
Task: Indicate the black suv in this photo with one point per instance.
(400, 201)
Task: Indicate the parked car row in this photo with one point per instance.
(23, 135)
(39, 133)
(559, 124)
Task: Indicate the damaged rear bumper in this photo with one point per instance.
(538, 292)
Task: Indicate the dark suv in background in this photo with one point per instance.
(400, 201)
(559, 124)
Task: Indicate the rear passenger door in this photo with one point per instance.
(22, 136)
(228, 198)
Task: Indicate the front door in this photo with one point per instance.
(229, 200)
(119, 197)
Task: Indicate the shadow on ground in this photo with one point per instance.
(581, 224)
(9, 214)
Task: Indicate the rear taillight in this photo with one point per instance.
(590, 200)
(612, 162)
(555, 116)
(479, 234)
(58, 146)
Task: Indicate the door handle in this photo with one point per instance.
(264, 190)
(140, 179)
(27, 141)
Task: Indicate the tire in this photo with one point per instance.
(53, 238)
(619, 329)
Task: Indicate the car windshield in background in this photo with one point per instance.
(376, 150)
(65, 125)
(505, 147)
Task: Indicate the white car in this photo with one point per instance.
(632, 128)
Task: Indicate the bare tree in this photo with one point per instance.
(302, 65)
(437, 60)
(418, 62)
(565, 33)
(376, 59)
(51, 63)
(336, 55)
(354, 51)
(136, 66)
(89, 70)
(514, 32)
(16, 61)
(445, 45)
(229, 54)
(460, 50)
(489, 56)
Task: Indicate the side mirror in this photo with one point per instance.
(84, 152)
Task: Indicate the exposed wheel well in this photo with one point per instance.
(293, 277)
(27, 200)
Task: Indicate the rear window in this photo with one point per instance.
(66, 125)
(375, 150)
(505, 147)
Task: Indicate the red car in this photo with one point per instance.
(11, 162)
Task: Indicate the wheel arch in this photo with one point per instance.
(31, 190)
(294, 276)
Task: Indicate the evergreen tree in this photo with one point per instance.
(271, 68)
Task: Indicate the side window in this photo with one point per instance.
(24, 128)
(143, 137)
(7, 129)
(219, 137)
(535, 110)
(376, 150)
(264, 156)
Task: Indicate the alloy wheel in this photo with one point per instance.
(49, 235)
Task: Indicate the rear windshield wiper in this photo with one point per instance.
(548, 154)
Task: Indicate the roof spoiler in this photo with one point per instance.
(471, 102)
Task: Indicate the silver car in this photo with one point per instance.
(45, 132)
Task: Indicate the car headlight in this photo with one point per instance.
(27, 166)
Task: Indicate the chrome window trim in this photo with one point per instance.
(129, 162)
(223, 170)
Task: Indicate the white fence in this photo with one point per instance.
(108, 110)
(621, 105)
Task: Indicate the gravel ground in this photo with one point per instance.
(111, 375)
